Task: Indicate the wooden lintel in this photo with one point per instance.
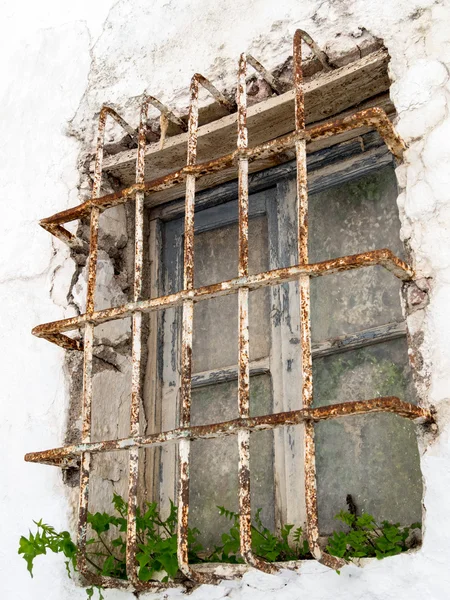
(215, 179)
(327, 95)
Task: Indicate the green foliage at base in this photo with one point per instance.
(366, 538)
(157, 542)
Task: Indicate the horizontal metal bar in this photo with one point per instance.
(331, 166)
(384, 258)
(66, 456)
(372, 117)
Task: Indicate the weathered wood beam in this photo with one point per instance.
(326, 95)
(361, 339)
(214, 179)
(222, 375)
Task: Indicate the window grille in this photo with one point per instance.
(241, 427)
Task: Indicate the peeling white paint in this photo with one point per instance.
(60, 65)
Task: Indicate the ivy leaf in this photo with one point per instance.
(109, 566)
(169, 563)
(120, 505)
(99, 522)
(145, 574)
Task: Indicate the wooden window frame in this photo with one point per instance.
(327, 168)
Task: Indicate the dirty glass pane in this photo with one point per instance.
(214, 462)
(346, 219)
(372, 457)
(216, 321)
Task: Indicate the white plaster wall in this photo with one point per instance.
(60, 62)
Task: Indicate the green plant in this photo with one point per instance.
(106, 550)
(367, 538)
(157, 542)
(264, 543)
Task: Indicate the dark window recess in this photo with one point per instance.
(358, 341)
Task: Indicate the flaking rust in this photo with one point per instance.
(385, 258)
(371, 117)
(243, 284)
(69, 456)
(136, 350)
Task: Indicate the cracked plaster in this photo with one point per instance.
(71, 60)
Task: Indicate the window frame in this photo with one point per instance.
(327, 168)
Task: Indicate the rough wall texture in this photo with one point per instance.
(60, 65)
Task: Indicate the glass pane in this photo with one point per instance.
(214, 462)
(372, 457)
(348, 219)
(216, 321)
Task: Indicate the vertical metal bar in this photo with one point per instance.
(136, 351)
(88, 347)
(312, 524)
(186, 344)
(243, 336)
(245, 516)
(318, 53)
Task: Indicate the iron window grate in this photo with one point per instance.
(302, 272)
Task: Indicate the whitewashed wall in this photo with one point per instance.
(59, 63)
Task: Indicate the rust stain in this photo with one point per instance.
(70, 455)
(383, 257)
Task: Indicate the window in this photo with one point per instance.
(270, 413)
(359, 346)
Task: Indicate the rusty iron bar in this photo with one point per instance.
(88, 351)
(186, 336)
(71, 240)
(384, 258)
(64, 341)
(89, 335)
(318, 53)
(108, 111)
(371, 117)
(215, 93)
(243, 284)
(184, 446)
(278, 86)
(164, 110)
(69, 455)
(245, 515)
(312, 527)
(136, 352)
